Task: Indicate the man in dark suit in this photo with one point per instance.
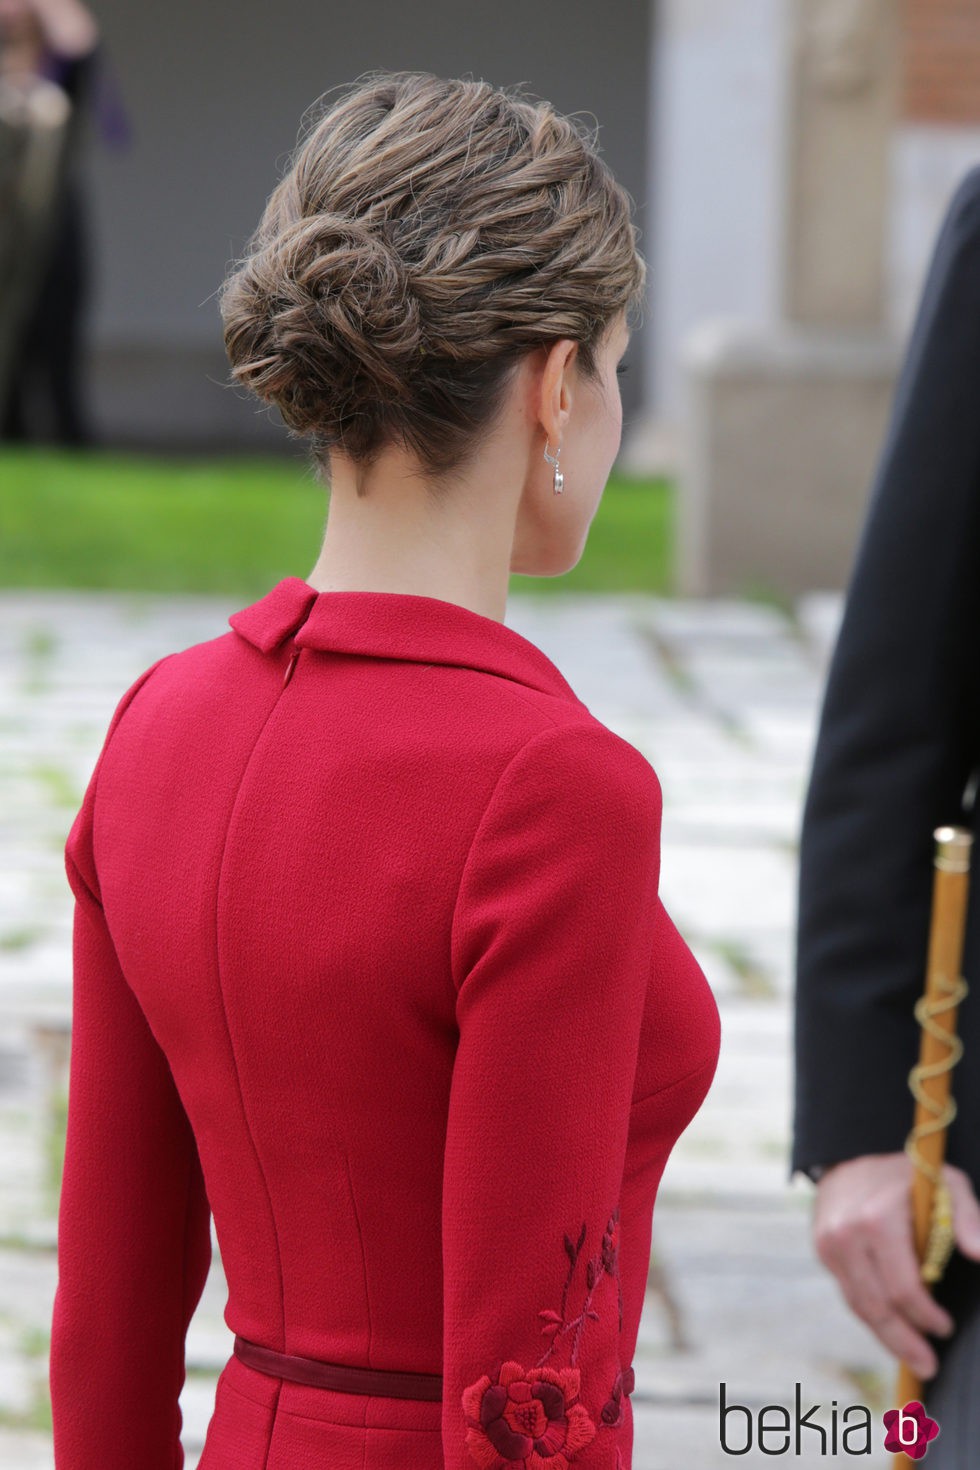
(896, 753)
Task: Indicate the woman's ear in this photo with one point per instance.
(556, 389)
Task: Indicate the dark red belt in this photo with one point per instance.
(381, 1382)
(341, 1376)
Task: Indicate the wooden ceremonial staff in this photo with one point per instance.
(940, 1050)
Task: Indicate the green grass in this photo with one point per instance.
(237, 525)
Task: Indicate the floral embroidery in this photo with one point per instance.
(612, 1410)
(528, 1415)
(532, 1414)
(605, 1262)
(610, 1257)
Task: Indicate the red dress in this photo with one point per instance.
(369, 960)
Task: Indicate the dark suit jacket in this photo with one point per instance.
(370, 961)
(898, 740)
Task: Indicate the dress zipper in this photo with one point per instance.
(290, 666)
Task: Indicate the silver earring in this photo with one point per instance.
(553, 459)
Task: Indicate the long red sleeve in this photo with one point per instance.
(134, 1242)
(552, 941)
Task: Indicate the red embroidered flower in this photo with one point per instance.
(610, 1244)
(613, 1412)
(528, 1416)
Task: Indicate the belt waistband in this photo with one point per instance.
(381, 1382)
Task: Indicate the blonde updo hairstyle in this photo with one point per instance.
(426, 235)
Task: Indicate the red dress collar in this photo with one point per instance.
(396, 625)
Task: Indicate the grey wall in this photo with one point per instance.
(216, 93)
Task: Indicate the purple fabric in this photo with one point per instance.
(92, 72)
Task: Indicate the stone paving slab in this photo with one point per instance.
(757, 1315)
(722, 696)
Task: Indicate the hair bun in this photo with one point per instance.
(427, 234)
(315, 310)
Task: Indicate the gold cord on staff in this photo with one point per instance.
(940, 1049)
(939, 1245)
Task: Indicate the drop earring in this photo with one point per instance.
(559, 483)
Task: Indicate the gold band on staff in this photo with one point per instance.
(930, 1080)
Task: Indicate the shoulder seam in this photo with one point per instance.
(549, 729)
(591, 724)
(122, 706)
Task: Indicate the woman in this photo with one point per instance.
(370, 959)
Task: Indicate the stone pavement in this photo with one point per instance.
(722, 697)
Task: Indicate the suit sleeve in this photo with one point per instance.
(134, 1241)
(552, 943)
(897, 738)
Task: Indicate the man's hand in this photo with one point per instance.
(863, 1233)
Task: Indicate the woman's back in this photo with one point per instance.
(370, 959)
(386, 894)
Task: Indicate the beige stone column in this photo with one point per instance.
(784, 425)
(843, 95)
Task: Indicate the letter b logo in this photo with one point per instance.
(909, 1430)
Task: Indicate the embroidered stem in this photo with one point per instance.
(604, 1262)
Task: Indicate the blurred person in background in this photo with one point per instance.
(48, 49)
(34, 117)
